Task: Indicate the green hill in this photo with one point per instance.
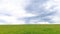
(30, 29)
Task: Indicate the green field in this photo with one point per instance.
(30, 29)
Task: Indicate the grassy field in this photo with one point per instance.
(30, 29)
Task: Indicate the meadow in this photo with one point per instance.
(30, 29)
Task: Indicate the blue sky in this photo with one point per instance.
(29, 11)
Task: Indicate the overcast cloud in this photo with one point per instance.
(29, 11)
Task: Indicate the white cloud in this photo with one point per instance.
(40, 23)
(11, 20)
(56, 17)
(16, 9)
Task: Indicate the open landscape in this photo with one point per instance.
(30, 29)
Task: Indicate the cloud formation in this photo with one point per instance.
(48, 10)
(10, 10)
(29, 12)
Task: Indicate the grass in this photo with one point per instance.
(30, 29)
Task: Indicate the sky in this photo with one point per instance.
(29, 11)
